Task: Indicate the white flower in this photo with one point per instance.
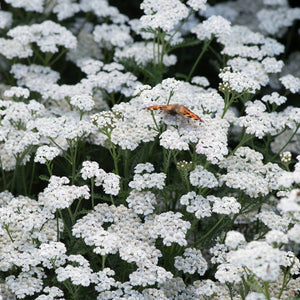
(148, 181)
(240, 81)
(141, 202)
(111, 184)
(197, 4)
(28, 5)
(105, 280)
(213, 139)
(47, 35)
(12, 48)
(170, 227)
(83, 102)
(108, 35)
(276, 238)
(260, 258)
(234, 239)
(272, 21)
(291, 83)
(225, 205)
(6, 18)
(203, 178)
(140, 168)
(200, 80)
(294, 234)
(65, 9)
(286, 157)
(214, 26)
(274, 98)
(196, 204)
(17, 92)
(142, 53)
(53, 254)
(46, 153)
(170, 139)
(191, 261)
(165, 14)
(271, 65)
(229, 273)
(274, 221)
(150, 275)
(52, 293)
(58, 195)
(25, 284)
(81, 275)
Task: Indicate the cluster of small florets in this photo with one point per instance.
(121, 63)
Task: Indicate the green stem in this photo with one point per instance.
(126, 163)
(57, 226)
(205, 46)
(77, 208)
(6, 227)
(92, 192)
(167, 157)
(285, 280)
(228, 102)
(24, 180)
(211, 230)
(31, 178)
(103, 261)
(291, 137)
(266, 290)
(112, 200)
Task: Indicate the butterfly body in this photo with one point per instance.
(174, 109)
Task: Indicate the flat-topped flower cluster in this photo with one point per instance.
(102, 198)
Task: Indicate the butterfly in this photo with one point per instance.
(174, 109)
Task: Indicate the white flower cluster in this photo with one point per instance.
(58, 195)
(83, 102)
(147, 180)
(291, 83)
(109, 181)
(133, 239)
(213, 139)
(16, 91)
(214, 26)
(191, 261)
(112, 35)
(47, 35)
(260, 258)
(196, 204)
(246, 171)
(164, 14)
(142, 53)
(259, 122)
(46, 153)
(203, 178)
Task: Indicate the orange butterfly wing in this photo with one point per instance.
(186, 112)
(175, 109)
(159, 107)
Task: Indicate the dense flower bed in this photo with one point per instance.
(155, 156)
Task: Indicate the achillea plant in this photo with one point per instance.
(101, 198)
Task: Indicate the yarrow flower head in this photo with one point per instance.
(17, 92)
(58, 195)
(291, 83)
(261, 259)
(83, 102)
(214, 26)
(46, 153)
(191, 261)
(274, 98)
(164, 14)
(286, 157)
